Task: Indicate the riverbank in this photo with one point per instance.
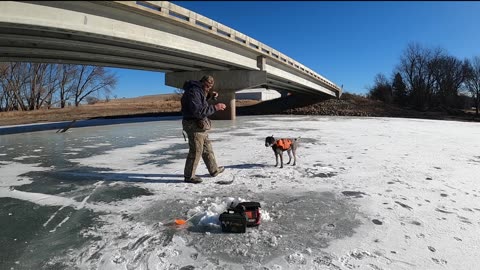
(350, 105)
(149, 108)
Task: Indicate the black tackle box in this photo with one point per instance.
(233, 221)
(236, 219)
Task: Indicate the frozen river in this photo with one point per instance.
(367, 193)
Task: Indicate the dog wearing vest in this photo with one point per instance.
(281, 145)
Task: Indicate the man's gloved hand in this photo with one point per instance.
(212, 95)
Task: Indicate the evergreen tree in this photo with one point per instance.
(399, 90)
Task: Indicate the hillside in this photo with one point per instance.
(153, 105)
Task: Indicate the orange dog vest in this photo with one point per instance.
(284, 144)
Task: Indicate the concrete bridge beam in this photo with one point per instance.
(226, 84)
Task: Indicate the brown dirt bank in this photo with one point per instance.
(348, 105)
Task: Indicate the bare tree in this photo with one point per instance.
(472, 80)
(415, 68)
(30, 86)
(92, 79)
(31, 91)
(24, 85)
(15, 80)
(52, 81)
(382, 90)
(449, 74)
(67, 74)
(4, 101)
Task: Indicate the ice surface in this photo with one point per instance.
(367, 193)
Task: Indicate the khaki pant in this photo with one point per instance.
(199, 147)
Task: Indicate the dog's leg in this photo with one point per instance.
(276, 157)
(294, 149)
(289, 156)
(281, 159)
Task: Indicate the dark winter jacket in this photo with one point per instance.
(194, 102)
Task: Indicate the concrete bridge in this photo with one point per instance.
(151, 35)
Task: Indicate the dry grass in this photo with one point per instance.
(154, 104)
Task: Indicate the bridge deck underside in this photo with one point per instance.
(22, 42)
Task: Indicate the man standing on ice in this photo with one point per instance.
(195, 111)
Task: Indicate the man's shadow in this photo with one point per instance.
(240, 166)
(160, 178)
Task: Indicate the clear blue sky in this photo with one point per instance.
(346, 42)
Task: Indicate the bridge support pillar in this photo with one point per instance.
(230, 113)
(226, 83)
